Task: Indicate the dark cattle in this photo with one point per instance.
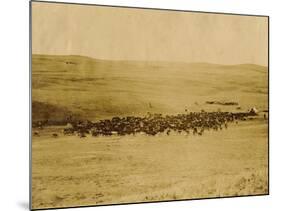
(82, 135)
(195, 131)
(68, 131)
(200, 132)
(55, 135)
(36, 134)
(153, 124)
(168, 132)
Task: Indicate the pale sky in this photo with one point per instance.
(153, 35)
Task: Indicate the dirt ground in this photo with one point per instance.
(70, 171)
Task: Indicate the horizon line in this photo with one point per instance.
(148, 61)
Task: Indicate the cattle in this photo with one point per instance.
(82, 135)
(168, 132)
(55, 135)
(195, 131)
(153, 124)
(36, 134)
(225, 125)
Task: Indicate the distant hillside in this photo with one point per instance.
(97, 89)
(44, 111)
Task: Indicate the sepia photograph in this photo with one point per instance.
(135, 105)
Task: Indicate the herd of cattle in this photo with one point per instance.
(153, 124)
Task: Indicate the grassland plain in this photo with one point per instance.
(69, 171)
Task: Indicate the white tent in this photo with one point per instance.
(68, 126)
(254, 110)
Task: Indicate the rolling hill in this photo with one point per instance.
(95, 89)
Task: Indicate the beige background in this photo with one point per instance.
(137, 34)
